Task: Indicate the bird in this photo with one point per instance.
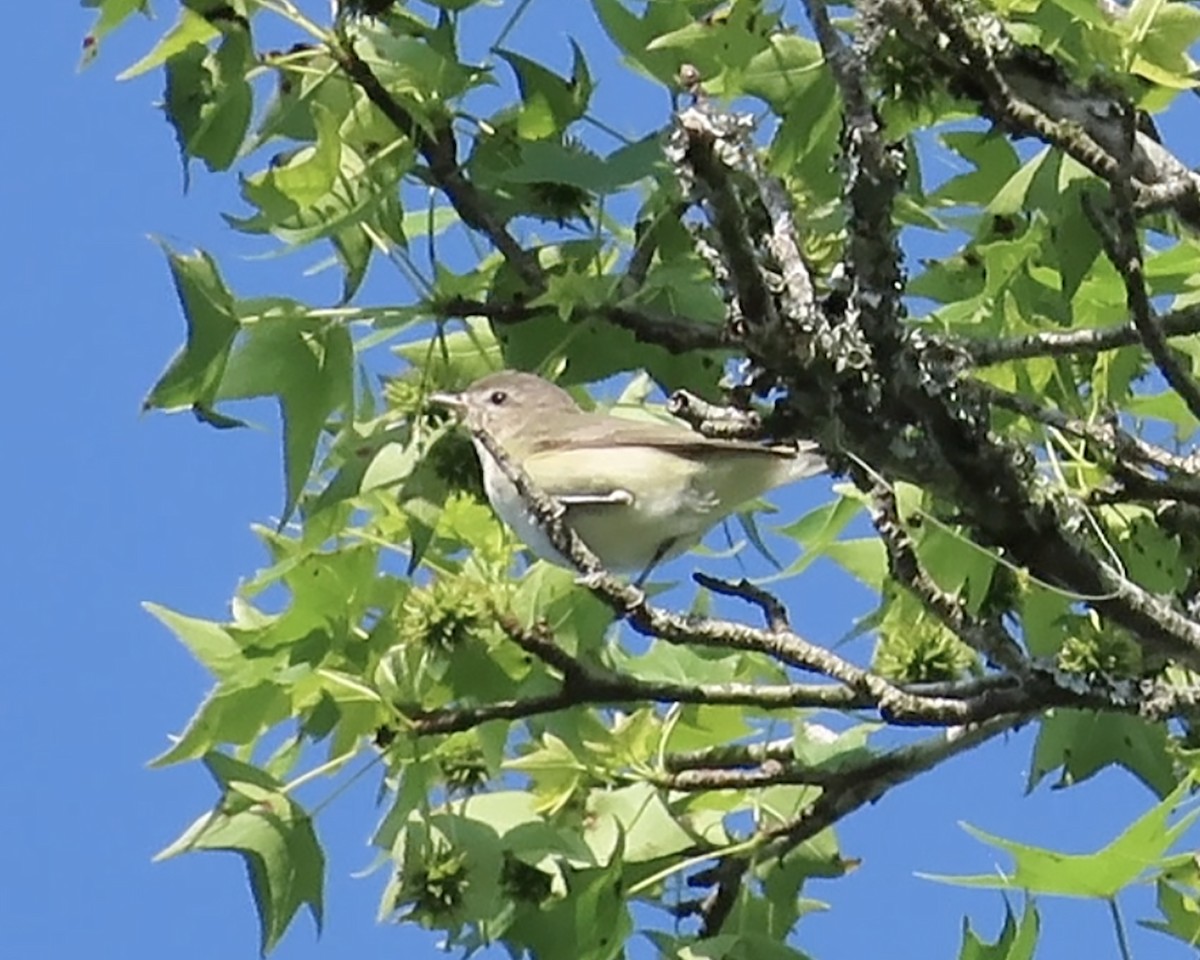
(635, 492)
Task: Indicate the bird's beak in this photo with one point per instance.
(452, 401)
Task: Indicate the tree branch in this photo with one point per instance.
(1124, 250)
(874, 176)
(1107, 436)
(726, 878)
(673, 333)
(713, 420)
(703, 145)
(772, 607)
(630, 604)
(1085, 342)
(989, 639)
(1000, 90)
(1030, 93)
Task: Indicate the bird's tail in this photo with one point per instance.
(806, 461)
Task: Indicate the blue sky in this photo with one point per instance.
(109, 508)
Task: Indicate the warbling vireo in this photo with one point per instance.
(635, 492)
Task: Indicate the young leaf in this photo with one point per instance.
(194, 374)
(1181, 913)
(1017, 939)
(209, 101)
(275, 838)
(1100, 875)
(209, 642)
(190, 28)
(1083, 743)
(550, 103)
(308, 366)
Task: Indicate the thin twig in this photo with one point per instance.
(1107, 436)
(726, 878)
(1124, 250)
(987, 638)
(440, 152)
(1085, 342)
(701, 143)
(673, 333)
(713, 420)
(774, 612)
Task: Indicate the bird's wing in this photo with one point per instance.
(570, 476)
(679, 458)
(595, 430)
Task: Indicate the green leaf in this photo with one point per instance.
(1085, 11)
(292, 187)
(1162, 55)
(1168, 406)
(1136, 23)
(458, 357)
(354, 248)
(1015, 195)
(194, 374)
(592, 348)
(308, 366)
(1151, 555)
(722, 43)
(549, 103)
(958, 565)
(591, 922)
(644, 820)
(633, 34)
(414, 71)
(1083, 743)
(230, 715)
(272, 834)
(675, 663)
(995, 162)
(209, 101)
(1017, 941)
(1181, 913)
(207, 641)
(784, 71)
(543, 161)
(112, 14)
(820, 749)
(1075, 259)
(634, 162)
(1101, 875)
(749, 525)
(818, 529)
(865, 559)
(190, 28)
(744, 945)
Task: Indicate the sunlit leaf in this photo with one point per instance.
(194, 375)
(1083, 743)
(1101, 875)
(1017, 939)
(190, 28)
(273, 836)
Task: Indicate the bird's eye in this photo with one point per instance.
(498, 397)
